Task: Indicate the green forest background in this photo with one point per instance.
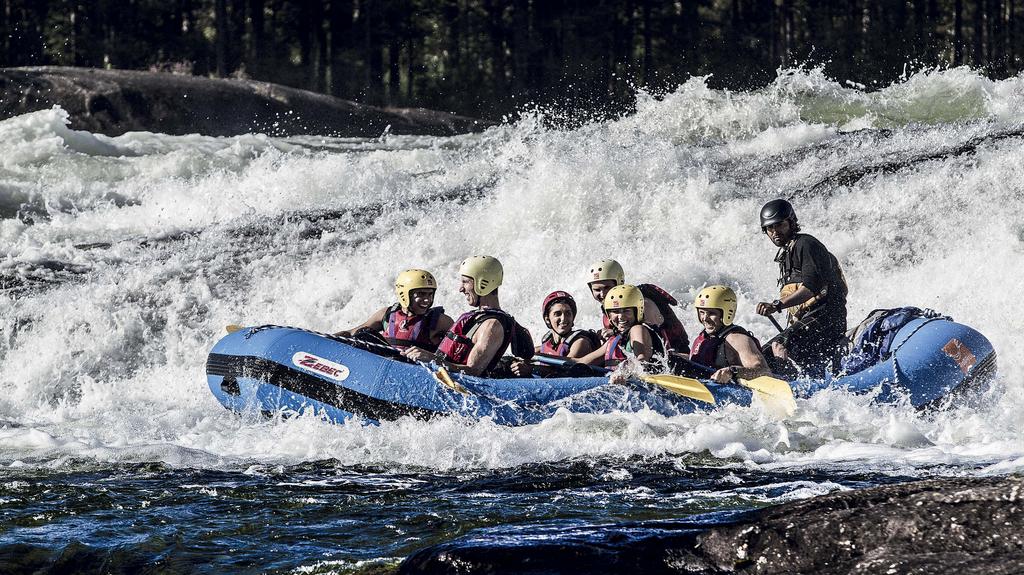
(489, 58)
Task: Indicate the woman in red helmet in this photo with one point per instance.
(562, 340)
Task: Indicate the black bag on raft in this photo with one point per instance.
(871, 340)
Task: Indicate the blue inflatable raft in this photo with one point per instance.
(271, 369)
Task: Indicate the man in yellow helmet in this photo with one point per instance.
(606, 274)
(724, 346)
(478, 339)
(413, 321)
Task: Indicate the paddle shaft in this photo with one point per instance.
(685, 386)
(805, 321)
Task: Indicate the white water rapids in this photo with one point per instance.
(125, 257)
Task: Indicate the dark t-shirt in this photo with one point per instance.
(806, 261)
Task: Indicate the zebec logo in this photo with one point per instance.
(320, 366)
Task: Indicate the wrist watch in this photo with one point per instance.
(777, 305)
(732, 372)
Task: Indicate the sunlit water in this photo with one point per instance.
(123, 259)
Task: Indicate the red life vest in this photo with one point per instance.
(618, 345)
(672, 329)
(458, 342)
(708, 349)
(548, 347)
(403, 330)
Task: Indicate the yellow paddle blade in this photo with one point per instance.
(774, 392)
(445, 379)
(232, 328)
(684, 386)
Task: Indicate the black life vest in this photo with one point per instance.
(458, 342)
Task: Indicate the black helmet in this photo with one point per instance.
(776, 211)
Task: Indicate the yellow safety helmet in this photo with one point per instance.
(623, 297)
(607, 270)
(410, 280)
(718, 297)
(486, 273)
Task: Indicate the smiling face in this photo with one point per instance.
(466, 289)
(560, 318)
(780, 233)
(622, 319)
(421, 300)
(600, 289)
(710, 318)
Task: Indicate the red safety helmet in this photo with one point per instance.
(555, 297)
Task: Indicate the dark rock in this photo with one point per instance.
(113, 102)
(938, 526)
(961, 526)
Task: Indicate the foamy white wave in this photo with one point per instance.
(169, 238)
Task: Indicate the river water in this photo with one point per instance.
(124, 258)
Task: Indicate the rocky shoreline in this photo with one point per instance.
(963, 526)
(113, 102)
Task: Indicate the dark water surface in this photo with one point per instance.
(325, 518)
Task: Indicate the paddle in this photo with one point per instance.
(684, 386)
(444, 378)
(804, 322)
(772, 391)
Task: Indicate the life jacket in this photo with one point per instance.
(404, 330)
(619, 345)
(708, 349)
(548, 347)
(458, 342)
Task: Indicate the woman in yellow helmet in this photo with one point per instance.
(624, 308)
(413, 321)
(606, 274)
(730, 350)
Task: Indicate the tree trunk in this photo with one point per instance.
(1011, 37)
(257, 39)
(373, 52)
(920, 43)
(320, 48)
(958, 33)
(341, 40)
(979, 33)
(522, 48)
(221, 17)
(690, 24)
(648, 43)
(394, 71)
(5, 32)
(496, 34)
(933, 34)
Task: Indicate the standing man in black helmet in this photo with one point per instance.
(812, 288)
